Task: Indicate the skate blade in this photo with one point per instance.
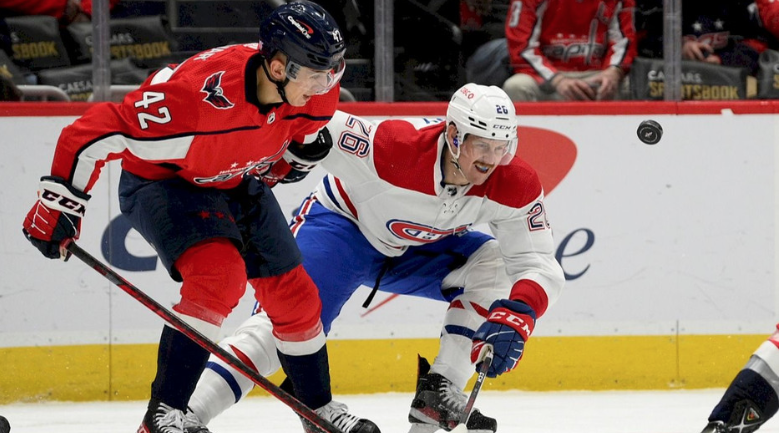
(425, 428)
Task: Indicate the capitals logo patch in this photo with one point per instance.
(214, 93)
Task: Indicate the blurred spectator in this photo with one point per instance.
(8, 90)
(723, 32)
(768, 11)
(649, 28)
(66, 11)
(481, 21)
(355, 19)
(569, 49)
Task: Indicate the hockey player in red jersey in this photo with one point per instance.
(753, 396)
(193, 140)
(569, 49)
(396, 213)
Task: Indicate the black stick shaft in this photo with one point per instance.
(485, 365)
(321, 424)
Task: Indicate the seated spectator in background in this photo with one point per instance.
(575, 50)
(66, 11)
(723, 32)
(8, 90)
(481, 21)
(649, 28)
(768, 11)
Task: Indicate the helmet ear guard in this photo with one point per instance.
(485, 111)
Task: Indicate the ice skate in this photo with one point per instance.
(438, 404)
(715, 427)
(745, 418)
(161, 418)
(192, 423)
(338, 414)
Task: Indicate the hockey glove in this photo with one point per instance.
(299, 160)
(508, 325)
(56, 216)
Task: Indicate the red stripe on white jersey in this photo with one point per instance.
(471, 306)
(300, 218)
(345, 197)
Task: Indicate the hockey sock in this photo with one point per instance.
(310, 377)
(286, 386)
(180, 361)
(749, 398)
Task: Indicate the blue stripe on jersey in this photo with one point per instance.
(221, 371)
(459, 330)
(330, 194)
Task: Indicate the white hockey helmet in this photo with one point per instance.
(484, 111)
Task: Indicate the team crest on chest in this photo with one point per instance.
(214, 93)
(422, 233)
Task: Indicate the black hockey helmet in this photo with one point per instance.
(306, 33)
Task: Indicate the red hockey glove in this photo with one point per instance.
(299, 160)
(56, 216)
(508, 325)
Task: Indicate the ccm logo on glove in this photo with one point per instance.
(522, 323)
(62, 203)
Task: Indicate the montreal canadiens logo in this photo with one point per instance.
(414, 232)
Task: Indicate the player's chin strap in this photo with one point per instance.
(280, 85)
(455, 158)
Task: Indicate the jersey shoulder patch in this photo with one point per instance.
(406, 156)
(214, 92)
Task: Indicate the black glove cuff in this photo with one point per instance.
(314, 151)
(56, 179)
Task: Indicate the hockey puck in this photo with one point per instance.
(5, 426)
(649, 132)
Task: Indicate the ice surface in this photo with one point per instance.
(681, 411)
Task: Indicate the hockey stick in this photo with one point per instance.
(485, 365)
(320, 424)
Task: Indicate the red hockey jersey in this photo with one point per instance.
(545, 36)
(200, 121)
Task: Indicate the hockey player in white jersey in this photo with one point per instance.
(396, 212)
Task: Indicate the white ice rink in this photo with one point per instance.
(517, 412)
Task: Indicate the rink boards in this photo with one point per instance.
(669, 253)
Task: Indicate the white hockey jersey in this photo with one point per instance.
(387, 179)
